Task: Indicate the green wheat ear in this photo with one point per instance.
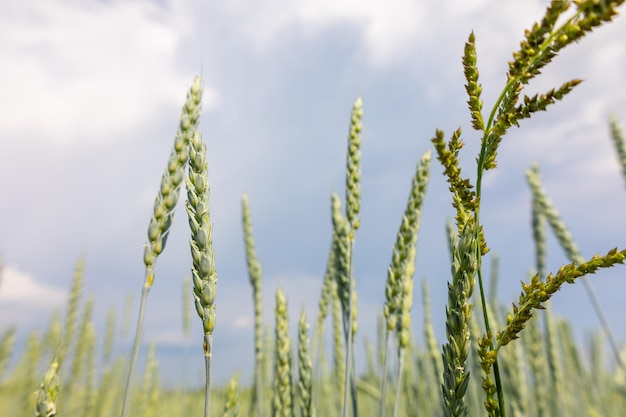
(171, 181)
(203, 272)
(473, 88)
(463, 195)
(536, 292)
(399, 284)
(458, 311)
(353, 166)
(72, 310)
(7, 342)
(540, 45)
(305, 370)
(231, 407)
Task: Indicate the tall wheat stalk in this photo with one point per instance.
(163, 214)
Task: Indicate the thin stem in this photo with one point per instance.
(135, 354)
(383, 383)
(349, 377)
(208, 348)
(479, 176)
(396, 403)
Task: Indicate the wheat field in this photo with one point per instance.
(498, 357)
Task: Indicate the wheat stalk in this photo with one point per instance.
(163, 214)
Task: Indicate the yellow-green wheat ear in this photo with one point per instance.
(472, 87)
(399, 284)
(171, 181)
(305, 369)
(231, 407)
(282, 399)
(7, 342)
(543, 42)
(535, 293)
(413, 213)
(72, 310)
(46, 396)
(463, 195)
(254, 273)
(353, 166)
(617, 134)
(540, 102)
(109, 337)
(488, 356)
(82, 345)
(326, 291)
(539, 46)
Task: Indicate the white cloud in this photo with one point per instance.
(83, 72)
(19, 286)
(386, 26)
(392, 30)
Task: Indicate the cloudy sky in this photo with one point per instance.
(90, 95)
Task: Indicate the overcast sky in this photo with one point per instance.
(90, 96)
